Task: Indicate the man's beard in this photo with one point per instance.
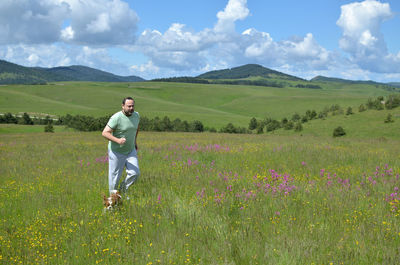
(128, 113)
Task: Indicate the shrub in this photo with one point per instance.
(289, 125)
(375, 104)
(393, 101)
(338, 132)
(298, 127)
(166, 124)
(296, 117)
(389, 118)
(311, 114)
(260, 128)
(273, 125)
(26, 119)
(196, 126)
(349, 111)
(322, 115)
(335, 108)
(9, 118)
(253, 124)
(49, 128)
(229, 128)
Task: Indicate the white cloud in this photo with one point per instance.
(234, 10)
(67, 34)
(366, 39)
(25, 21)
(102, 22)
(177, 48)
(94, 22)
(33, 59)
(362, 37)
(36, 55)
(260, 44)
(143, 70)
(176, 38)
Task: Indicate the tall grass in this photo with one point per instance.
(201, 199)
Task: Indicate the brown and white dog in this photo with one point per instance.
(113, 200)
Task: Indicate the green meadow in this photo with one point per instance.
(201, 199)
(213, 105)
(281, 197)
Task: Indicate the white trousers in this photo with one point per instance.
(116, 164)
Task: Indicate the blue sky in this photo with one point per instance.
(155, 38)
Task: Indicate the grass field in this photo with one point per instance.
(15, 128)
(201, 199)
(214, 105)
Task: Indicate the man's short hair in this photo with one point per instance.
(127, 98)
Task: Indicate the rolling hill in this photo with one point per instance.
(395, 84)
(340, 80)
(213, 104)
(11, 73)
(249, 74)
(246, 71)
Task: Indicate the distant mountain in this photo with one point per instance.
(395, 84)
(387, 86)
(340, 80)
(246, 71)
(84, 73)
(11, 73)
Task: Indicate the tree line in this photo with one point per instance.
(89, 123)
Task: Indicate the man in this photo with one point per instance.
(121, 131)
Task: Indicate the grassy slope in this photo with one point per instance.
(214, 105)
(368, 124)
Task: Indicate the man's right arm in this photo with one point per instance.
(107, 133)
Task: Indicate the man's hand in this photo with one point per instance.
(107, 133)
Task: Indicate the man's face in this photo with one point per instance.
(128, 107)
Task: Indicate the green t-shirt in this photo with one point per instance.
(124, 127)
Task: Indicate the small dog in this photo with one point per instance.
(114, 200)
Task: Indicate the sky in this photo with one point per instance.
(358, 40)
